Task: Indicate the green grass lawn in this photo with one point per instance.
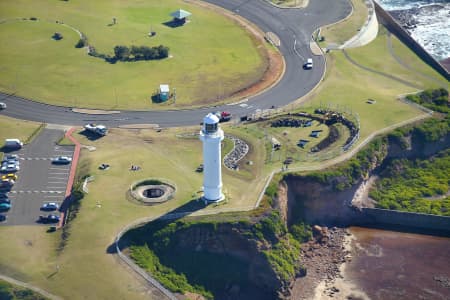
(16, 129)
(205, 64)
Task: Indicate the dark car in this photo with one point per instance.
(5, 200)
(62, 160)
(49, 206)
(2, 218)
(5, 206)
(48, 219)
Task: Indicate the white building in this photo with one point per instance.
(212, 136)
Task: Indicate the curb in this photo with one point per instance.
(73, 169)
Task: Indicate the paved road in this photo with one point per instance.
(39, 180)
(294, 28)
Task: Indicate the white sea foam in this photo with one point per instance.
(433, 25)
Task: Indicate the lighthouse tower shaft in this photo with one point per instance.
(212, 136)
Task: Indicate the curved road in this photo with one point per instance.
(294, 28)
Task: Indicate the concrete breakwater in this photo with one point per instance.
(391, 219)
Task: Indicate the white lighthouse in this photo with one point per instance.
(211, 136)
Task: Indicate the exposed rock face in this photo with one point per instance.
(320, 203)
(227, 239)
(316, 203)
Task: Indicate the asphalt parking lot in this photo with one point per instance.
(39, 181)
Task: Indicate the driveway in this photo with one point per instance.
(39, 180)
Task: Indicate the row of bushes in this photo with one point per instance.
(135, 53)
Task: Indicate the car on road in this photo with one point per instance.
(11, 176)
(5, 206)
(308, 64)
(49, 206)
(51, 218)
(2, 105)
(7, 167)
(2, 218)
(62, 160)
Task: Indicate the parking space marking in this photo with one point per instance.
(65, 169)
(63, 181)
(55, 173)
(51, 192)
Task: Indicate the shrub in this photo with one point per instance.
(301, 232)
(57, 36)
(81, 43)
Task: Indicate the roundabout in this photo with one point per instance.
(292, 27)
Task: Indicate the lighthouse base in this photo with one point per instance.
(221, 198)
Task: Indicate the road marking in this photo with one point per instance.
(29, 192)
(295, 50)
(54, 173)
(64, 169)
(64, 181)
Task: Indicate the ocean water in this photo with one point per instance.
(432, 19)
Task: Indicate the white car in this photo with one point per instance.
(2, 105)
(62, 160)
(9, 168)
(308, 64)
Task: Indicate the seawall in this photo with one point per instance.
(392, 219)
(393, 26)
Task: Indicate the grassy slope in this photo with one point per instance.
(13, 128)
(204, 53)
(347, 86)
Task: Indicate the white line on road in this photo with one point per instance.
(55, 173)
(64, 169)
(295, 50)
(63, 181)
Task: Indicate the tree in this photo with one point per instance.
(121, 52)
